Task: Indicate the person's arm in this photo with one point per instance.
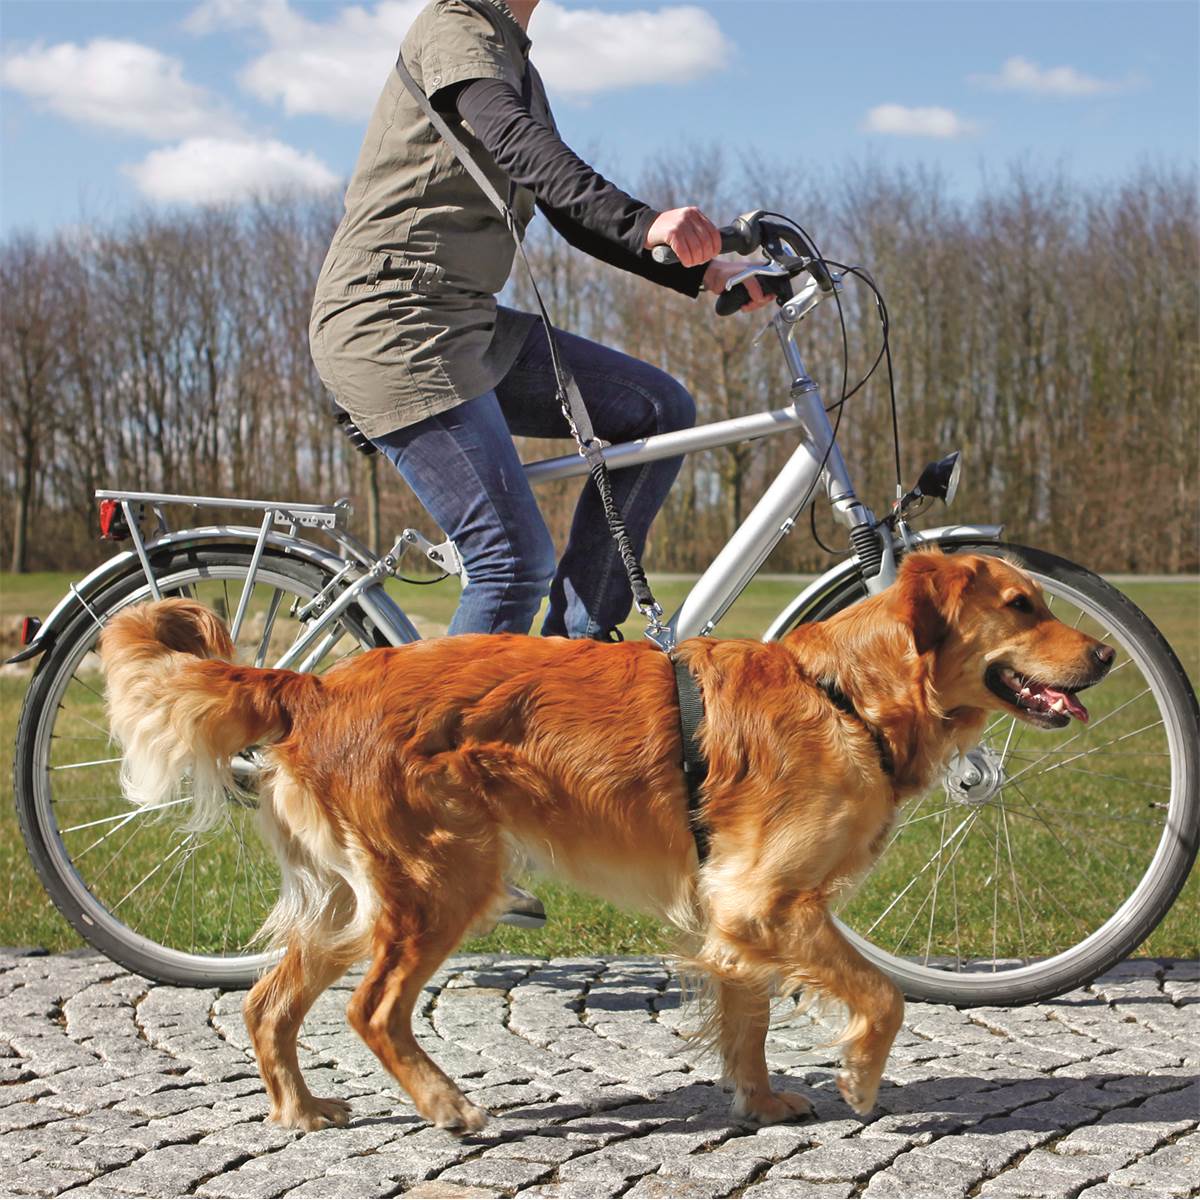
(535, 157)
(680, 278)
(591, 213)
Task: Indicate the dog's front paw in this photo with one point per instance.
(312, 1115)
(857, 1092)
(455, 1113)
(769, 1108)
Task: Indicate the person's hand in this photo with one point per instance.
(693, 237)
(719, 271)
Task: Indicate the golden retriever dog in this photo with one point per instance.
(402, 784)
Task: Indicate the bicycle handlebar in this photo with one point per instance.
(784, 244)
(741, 237)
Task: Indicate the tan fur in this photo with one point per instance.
(404, 782)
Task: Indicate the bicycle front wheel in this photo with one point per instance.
(1044, 857)
(175, 906)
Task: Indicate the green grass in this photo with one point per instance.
(1076, 840)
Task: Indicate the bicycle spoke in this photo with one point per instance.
(232, 895)
(126, 818)
(76, 717)
(1070, 858)
(1091, 729)
(150, 874)
(974, 816)
(99, 762)
(933, 906)
(1012, 868)
(995, 888)
(1086, 841)
(121, 816)
(966, 821)
(1146, 783)
(87, 687)
(1058, 766)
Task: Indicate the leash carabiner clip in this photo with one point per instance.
(658, 633)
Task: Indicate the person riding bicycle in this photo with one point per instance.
(407, 334)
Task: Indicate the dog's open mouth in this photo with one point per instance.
(1049, 705)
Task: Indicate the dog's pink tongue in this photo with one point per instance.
(1073, 706)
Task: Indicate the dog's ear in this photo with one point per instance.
(931, 589)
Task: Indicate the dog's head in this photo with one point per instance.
(996, 644)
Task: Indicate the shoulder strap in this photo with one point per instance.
(569, 399)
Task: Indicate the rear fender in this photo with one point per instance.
(126, 564)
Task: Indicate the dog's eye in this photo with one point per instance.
(1021, 604)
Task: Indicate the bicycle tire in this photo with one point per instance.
(969, 983)
(43, 711)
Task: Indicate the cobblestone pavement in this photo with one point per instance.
(113, 1086)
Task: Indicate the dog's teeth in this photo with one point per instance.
(1059, 706)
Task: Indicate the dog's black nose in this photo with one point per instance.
(1105, 655)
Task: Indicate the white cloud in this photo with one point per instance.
(932, 122)
(336, 68)
(583, 51)
(207, 170)
(1021, 75)
(117, 85)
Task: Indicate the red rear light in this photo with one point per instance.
(29, 629)
(108, 509)
(112, 522)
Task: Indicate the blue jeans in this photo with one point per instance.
(464, 468)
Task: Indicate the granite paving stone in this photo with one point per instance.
(113, 1085)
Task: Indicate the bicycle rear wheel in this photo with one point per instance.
(1044, 857)
(174, 906)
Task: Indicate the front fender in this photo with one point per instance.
(126, 563)
(836, 578)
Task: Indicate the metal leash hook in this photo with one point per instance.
(663, 636)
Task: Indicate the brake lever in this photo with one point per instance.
(766, 268)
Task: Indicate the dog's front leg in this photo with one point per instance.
(743, 1011)
(824, 961)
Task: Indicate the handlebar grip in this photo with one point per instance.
(729, 302)
(733, 237)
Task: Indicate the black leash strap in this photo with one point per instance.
(569, 399)
(695, 765)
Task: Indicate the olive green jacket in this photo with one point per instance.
(405, 322)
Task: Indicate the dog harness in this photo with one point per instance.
(695, 765)
(839, 699)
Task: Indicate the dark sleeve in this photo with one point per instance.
(593, 214)
(680, 278)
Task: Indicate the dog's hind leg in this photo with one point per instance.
(409, 945)
(273, 1012)
(743, 1010)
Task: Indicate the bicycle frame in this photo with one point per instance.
(816, 460)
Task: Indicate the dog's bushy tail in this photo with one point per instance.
(181, 709)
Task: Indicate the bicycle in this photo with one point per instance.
(1097, 866)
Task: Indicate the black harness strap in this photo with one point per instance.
(695, 765)
(839, 699)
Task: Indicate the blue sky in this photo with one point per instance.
(113, 104)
